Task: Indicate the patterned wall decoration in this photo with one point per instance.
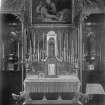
(12, 5)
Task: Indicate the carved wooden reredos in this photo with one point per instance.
(53, 48)
(61, 43)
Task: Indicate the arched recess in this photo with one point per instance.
(52, 40)
(93, 39)
(10, 41)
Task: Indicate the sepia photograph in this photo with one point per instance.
(52, 52)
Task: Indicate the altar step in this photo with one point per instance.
(51, 102)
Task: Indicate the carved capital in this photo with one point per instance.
(20, 17)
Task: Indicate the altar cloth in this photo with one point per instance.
(60, 84)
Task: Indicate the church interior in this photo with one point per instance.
(52, 52)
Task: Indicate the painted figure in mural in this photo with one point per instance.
(48, 12)
(64, 15)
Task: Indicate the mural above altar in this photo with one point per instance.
(51, 11)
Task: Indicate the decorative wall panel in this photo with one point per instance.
(12, 5)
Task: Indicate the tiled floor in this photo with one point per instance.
(96, 100)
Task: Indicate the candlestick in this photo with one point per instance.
(18, 50)
(38, 49)
(34, 42)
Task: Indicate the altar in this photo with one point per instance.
(53, 78)
(60, 84)
(52, 61)
(51, 90)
